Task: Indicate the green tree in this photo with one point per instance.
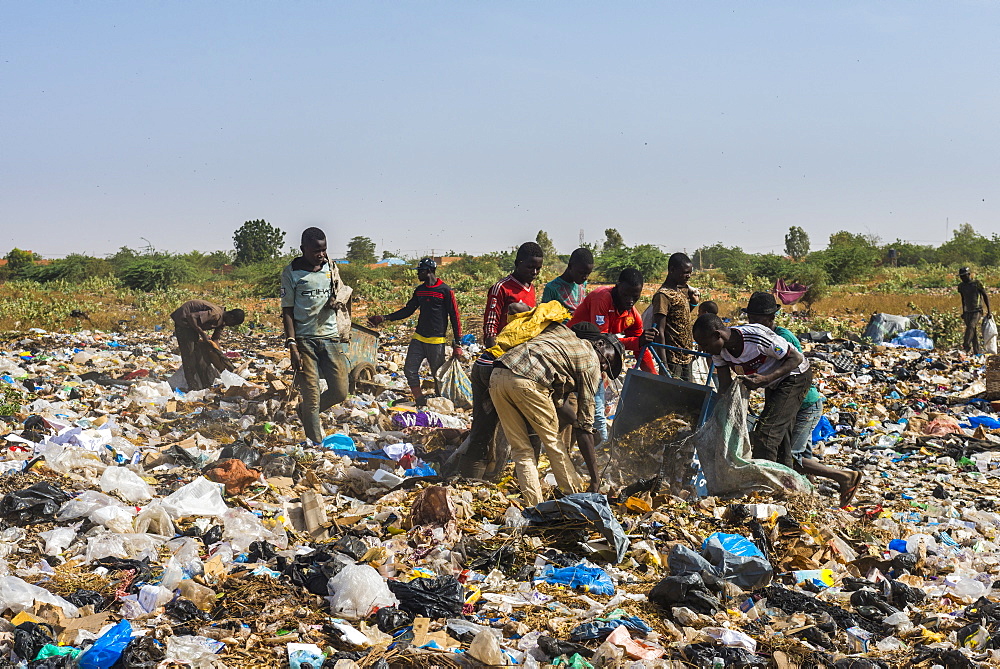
(796, 243)
(908, 254)
(256, 241)
(849, 257)
(155, 271)
(548, 248)
(612, 240)
(646, 258)
(814, 277)
(361, 250)
(966, 247)
(770, 266)
(19, 262)
(75, 268)
(733, 261)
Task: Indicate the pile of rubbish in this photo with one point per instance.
(141, 526)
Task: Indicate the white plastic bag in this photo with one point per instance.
(357, 590)
(57, 540)
(126, 483)
(455, 383)
(155, 520)
(201, 497)
(18, 595)
(100, 509)
(241, 528)
(989, 336)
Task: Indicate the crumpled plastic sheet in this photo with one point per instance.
(583, 506)
(723, 445)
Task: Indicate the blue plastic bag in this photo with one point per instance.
(913, 339)
(824, 430)
(988, 422)
(590, 579)
(738, 560)
(898, 545)
(340, 442)
(108, 648)
(421, 470)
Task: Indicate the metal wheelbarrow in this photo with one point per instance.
(654, 413)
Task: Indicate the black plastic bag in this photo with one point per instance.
(278, 464)
(556, 647)
(29, 638)
(35, 504)
(350, 545)
(312, 571)
(260, 551)
(213, 535)
(440, 597)
(688, 590)
(142, 570)
(240, 451)
(53, 662)
(702, 655)
(142, 652)
(85, 597)
(390, 619)
(183, 610)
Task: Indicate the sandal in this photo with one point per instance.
(847, 496)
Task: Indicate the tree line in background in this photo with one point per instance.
(258, 256)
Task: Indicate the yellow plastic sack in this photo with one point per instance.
(522, 327)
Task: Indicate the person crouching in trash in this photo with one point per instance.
(763, 360)
(192, 320)
(530, 379)
(761, 310)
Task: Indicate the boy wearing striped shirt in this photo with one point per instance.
(764, 360)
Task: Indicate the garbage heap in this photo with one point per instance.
(145, 527)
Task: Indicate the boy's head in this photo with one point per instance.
(581, 264)
(314, 246)
(710, 333)
(679, 268)
(708, 307)
(761, 309)
(965, 274)
(426, 270)
(528, 262)
(628, 288)
(233, 317)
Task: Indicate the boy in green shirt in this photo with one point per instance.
(316, 314)
(570, 287)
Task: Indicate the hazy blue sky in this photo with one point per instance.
(472, 125)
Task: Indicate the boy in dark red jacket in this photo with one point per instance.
(437, 305)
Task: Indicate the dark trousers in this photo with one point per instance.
(772, 435)
(320, 358)
(484, 423)
(198, 371)
(973, 321)
(680, 370)
(416, 353)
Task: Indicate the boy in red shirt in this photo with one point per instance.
(613, 311)
(515, 293)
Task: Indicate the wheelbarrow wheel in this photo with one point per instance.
(362, 375)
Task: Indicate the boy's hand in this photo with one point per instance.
(648, 336)
(458, 352)
(754, 381)
(694, 295)
(517, 308)
(296, 359)
(376, 320)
